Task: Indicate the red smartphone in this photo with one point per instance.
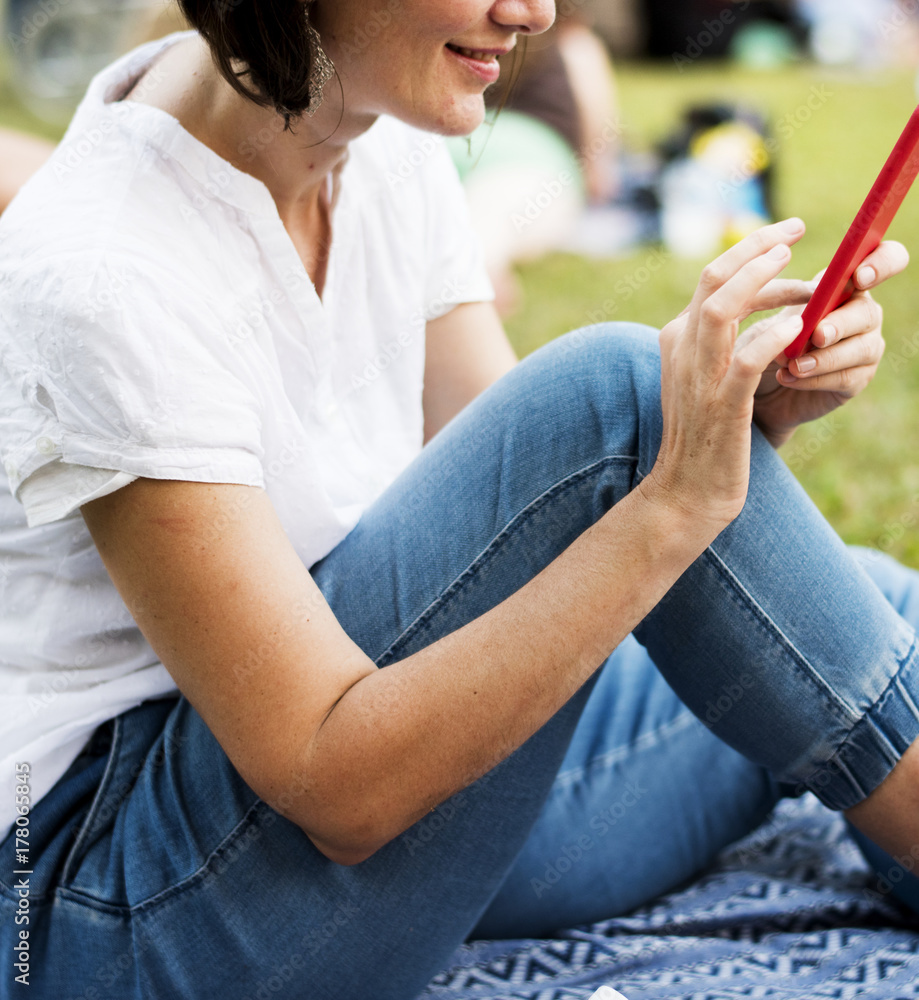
(865, 233)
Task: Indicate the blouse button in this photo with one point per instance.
(45, 445)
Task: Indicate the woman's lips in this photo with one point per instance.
(482, 62)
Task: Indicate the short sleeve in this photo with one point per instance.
(456, 271)
(115, 372)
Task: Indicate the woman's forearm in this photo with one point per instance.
(407, 737)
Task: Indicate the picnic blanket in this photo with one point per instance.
(791, 912)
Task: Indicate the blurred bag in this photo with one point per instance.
(716, 181)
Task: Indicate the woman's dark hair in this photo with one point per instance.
(264, 40)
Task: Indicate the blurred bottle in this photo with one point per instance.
(693, 215)
(715, 193)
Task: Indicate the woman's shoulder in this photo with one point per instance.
(120, 208)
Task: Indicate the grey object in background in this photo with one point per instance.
(55, 47)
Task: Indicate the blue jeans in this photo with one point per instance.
(159, 873)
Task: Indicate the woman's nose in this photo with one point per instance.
(529, 17)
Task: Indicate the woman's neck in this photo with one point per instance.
(293, 165)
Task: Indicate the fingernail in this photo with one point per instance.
(793, 225)
(806, 365)
(779, 252)
(786, 376)
(867, 276)
(830, 334)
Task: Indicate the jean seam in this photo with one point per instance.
(833, 701)
(110, 766)
(130, 909)
(69, 894)
(645, 741)
(202, 871)
(554, 492)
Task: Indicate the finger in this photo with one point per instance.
(719, 314)
(857, 316)
(889, 259)
(846, 383)
(720, 271)
(783, 292)
(855, 352)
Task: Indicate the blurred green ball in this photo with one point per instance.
(763, 45)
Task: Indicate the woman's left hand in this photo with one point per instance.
(846, 350)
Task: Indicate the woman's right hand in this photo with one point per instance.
(709, 376)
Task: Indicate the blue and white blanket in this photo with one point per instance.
(791, 912)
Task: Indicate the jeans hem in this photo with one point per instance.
(875, 744)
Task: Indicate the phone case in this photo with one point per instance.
(865, 233)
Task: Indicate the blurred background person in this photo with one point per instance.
(549, 148)
(849, 31)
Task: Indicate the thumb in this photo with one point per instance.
(759, 346)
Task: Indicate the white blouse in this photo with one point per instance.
(157, 321)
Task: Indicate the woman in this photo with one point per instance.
(213, 380)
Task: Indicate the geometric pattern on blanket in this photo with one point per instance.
(791, 912)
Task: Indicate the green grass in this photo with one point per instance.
(862, 466)
(13, 115)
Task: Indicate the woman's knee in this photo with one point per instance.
(629, 343)
(608, 373)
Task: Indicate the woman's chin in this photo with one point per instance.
(461, 118)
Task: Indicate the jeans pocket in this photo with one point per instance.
(133, 734)
(57, 819)
(98, 759)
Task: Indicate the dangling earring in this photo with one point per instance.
(321, 68)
